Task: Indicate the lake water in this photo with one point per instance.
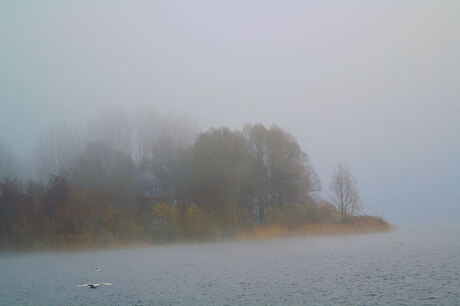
(394, 268)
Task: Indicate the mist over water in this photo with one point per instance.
(150, 122)
(405, 267)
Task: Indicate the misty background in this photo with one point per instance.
(374, 85)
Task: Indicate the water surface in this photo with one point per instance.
(396, 268)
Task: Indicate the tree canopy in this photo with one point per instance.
(122, 185)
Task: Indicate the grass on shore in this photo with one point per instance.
(347, 226)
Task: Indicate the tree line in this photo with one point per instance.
(143, 177)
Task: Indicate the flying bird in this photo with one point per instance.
(97, 270)
(94, 286)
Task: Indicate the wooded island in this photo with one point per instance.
(144, 178)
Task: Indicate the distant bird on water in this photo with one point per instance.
(94, 286)
(97, 270)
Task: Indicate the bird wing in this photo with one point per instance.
(85, 285)
(107, 284)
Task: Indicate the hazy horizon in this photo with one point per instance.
(373, 85)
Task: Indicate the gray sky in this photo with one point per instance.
(375, 85)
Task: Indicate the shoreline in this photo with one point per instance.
(253, 233)
(309, 230)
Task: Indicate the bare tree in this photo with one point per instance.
(343, 191)
(57, 150)
(9, 167)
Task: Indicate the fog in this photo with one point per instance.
(374, 85)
